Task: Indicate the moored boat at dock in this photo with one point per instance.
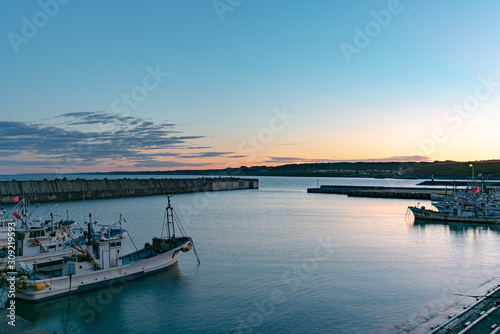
(457, 216)
(101, 262)
(5, 223)
(32, 240)
(473, 204)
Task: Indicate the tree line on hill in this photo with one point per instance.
(438, 169)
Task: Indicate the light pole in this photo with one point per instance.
(472, 165)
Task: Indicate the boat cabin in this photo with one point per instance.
(101, 254)
(39, 240)
(107, 253)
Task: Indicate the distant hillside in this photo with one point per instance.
(438, 169)
(334, 169)
(488, 168)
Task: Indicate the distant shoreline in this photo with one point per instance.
(486, 169)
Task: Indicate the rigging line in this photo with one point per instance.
(81, 248)
(179, 225)
(183, 232)
(48, 210)
(13, 209)
(36, 208)
(77, 223)
(72, 238)
(195, 251)
(133, 243)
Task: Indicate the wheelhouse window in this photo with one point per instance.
(36, 234)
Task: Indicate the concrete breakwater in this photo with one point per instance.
(69, 190)
(378, 191)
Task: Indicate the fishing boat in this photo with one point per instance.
(474, 204)
(5, 223)
(33, 240)
(458, 214)
(101, 262)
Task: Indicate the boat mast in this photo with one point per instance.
(89, 229)
(170, 219)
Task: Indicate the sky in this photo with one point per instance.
(96, 86)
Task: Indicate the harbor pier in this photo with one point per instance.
(483, 316)
(379, 192)
(69, 190)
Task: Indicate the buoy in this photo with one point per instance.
(48, 284)
(24, 277)
(40, 286)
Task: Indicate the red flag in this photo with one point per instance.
(16, 215)
(16, 199)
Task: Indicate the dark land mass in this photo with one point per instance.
(489, 169)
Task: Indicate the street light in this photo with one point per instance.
(471, 165)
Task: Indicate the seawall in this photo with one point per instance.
(379, 191)
(69, 190)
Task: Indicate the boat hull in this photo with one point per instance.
(39, 258)
(430, 215)
(59, 286)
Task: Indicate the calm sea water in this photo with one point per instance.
(280, 260)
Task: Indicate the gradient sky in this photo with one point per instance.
(159, 85)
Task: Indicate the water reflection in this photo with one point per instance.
(455, 228)
(91, 308)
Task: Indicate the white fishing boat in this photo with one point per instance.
(474, 204)
(36, 241)
(5, 223)
(458, 214)
(101, 262)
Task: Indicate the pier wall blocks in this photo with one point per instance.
(68, 190)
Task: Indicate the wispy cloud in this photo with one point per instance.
(410, 158)
(289, 160)
(209, 154)
(169, 164)
(92, 138)
(286, 160)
